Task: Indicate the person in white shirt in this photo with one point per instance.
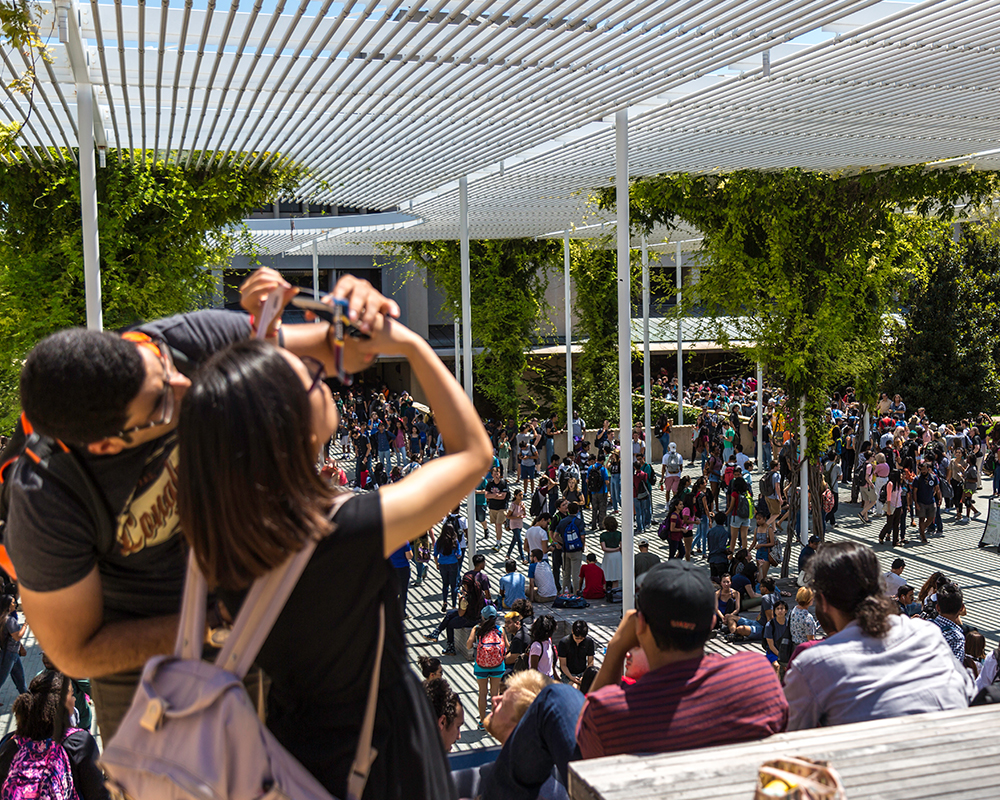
(741, 457)
(894, 579)
(541, 584)
(537, 536)
(876, 664)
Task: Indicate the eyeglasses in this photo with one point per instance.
(316, 369)
(163, 412)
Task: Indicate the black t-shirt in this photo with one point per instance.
(497, 486)
(575, 654)
(319, 657)
(521, 641)
(52, 540)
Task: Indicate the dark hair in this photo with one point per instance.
(934, 582)
(975, 644)
(76, 385)
(543, 628)
(478, 559)
(591, 558)
(574, 508)
(902, 591)
(897, 563)
(587, 679)
(536, 553)
(444, 701)
(429, 665)
(486, 624)
(847, 574)
(767, 583)
(720, 517)
(523, 607)
(248, 490)
(580, 628)
(610, 524)
(780, 604)
(41, 711)
(510, 565)
(950, 599)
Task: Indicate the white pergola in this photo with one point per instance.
(497, 118)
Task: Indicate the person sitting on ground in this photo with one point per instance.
(592, 579)
(535, 720)
(875, 664)
(802, 622)
(951, 609)
(518, 642)
(541, 654)
(689, 698)
(43, 735)
(644, 560)
(430, 667)
(807, 552)
(541, 584)
(447, 709)
(474, 591)
(576, 653)
(975, 652)
(525, 609)
(511, 585)
(894, 579)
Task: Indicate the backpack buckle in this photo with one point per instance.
(152, 717)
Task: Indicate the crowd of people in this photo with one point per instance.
(218, 435)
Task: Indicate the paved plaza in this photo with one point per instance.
(956, 553)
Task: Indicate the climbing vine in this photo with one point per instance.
(509, 278)
(161, 226)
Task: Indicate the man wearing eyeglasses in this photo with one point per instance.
(114, 401)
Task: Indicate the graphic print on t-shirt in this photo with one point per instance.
(151, 516)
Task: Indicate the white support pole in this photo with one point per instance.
(646, 379)
(569, 346)
(625, 359)
(458, 350)
(803, 476)
(680, 345)
(315, 255)
(88, 206)
(760, 419)
(867, 425)
(463, 211)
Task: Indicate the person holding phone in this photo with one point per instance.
(242, 517)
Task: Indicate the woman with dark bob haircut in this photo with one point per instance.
(251, 429)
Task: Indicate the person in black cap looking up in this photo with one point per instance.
(688, 698)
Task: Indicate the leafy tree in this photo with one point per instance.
(594, 271)
(946, 357)
(509, 278)
(803, 262)
(160, 226)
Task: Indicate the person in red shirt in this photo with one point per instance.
(592, 579)
(689, 698)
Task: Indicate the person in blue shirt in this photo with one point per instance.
(400, 561)
(598, 494)
(511, 585)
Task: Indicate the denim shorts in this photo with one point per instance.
(739, 522)
(756, 629)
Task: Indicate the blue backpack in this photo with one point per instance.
(572, 541)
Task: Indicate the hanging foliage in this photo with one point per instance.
(806, 264)
(509, 278)
(161, 225)
(19, 33)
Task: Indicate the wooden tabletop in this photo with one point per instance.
(944, 754)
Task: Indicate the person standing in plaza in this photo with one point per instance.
(497, 495)
(599, 483)
(643, 481)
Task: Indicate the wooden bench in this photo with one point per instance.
(943, 754)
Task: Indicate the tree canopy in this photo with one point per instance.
(806, 264)
(509, 279)
(161, 225)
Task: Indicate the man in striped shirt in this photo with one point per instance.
(688, 698)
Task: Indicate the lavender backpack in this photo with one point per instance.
(193, 733)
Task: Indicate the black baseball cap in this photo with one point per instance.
(677, 594)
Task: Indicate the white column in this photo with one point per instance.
(458, 351)
(760, 419)
(315, 255)
(463, 211)
(803, 476)
(680, 345)
(646, 380)
(88, 206)
(867, 425)
(625, 358)
(569, 346)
